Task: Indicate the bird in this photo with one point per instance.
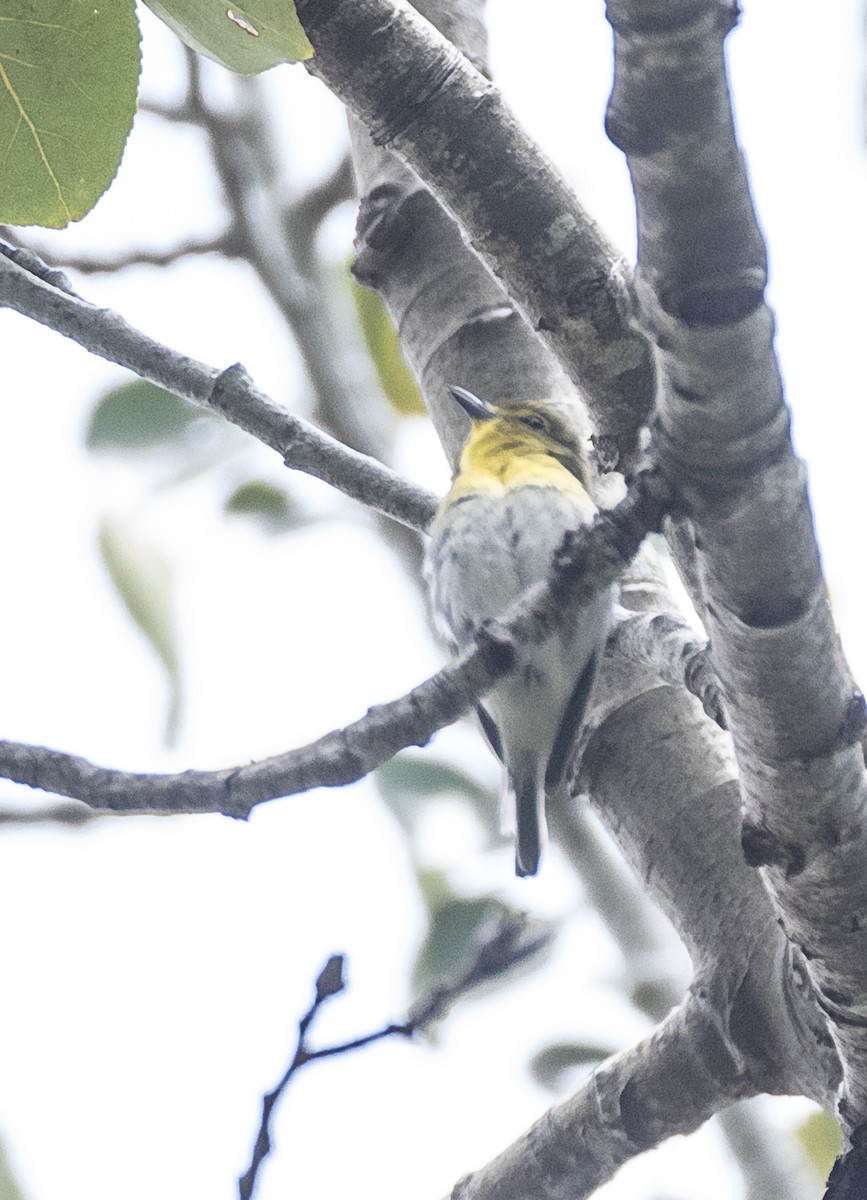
(521, 484)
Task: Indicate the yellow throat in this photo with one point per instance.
(504, 451)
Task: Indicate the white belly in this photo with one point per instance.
(492, 549)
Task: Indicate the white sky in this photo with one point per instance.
(155, 968)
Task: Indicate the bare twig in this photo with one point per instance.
(29, 260)
(174, 114)
(589, 559)
(508, 939)
(31, 288)
(58, 814)
(279, 243)
(303, 216)
(226, 244)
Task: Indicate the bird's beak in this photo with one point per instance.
(476, 409)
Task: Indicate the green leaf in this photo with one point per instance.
(820, 1140)
(479, 934)
(68, 82)
(137, 416)
(9, 1189)
(652, 996)
(550, 1065)
(143, 581)
(407, 779)
(454, 924)
(267, 504)
(247, 38)
(395, 377)
(414, 775)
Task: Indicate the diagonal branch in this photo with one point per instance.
(30, 288)
(629, 1105)
(589, 560)
(419, 96)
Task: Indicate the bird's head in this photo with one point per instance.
(530, 428)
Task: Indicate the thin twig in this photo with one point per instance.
(588, 560)
(36, 291)
(57, 814)
(303, 216)
(505, 941)
(226, 244)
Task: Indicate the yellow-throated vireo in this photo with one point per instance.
(521, 484)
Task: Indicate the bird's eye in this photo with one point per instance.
(537, 424)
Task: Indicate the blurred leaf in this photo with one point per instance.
(407, 779)
(427, 776)
(453, 929)
(652, 996)
(9, 1189)
(143, 581)
(68, 84)
(247, 37)
(820, 1140)
(472, 944)
(270, 506)
(395, 377)
(550, 1065)
(139, 416)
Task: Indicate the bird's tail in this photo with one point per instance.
(523, 810)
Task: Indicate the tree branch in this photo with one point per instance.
(276, 236)
(662, 778)
(628, 1106)
(303, 216)
(226, 244)
(771, 1164)
(501, 944)
(664, 642)
(301, 445)
(589, 559)
(659, 772)
(59, 814)
(419, 96)
(723, 433)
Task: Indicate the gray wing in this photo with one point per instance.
(570, 727)
(473, 572)
(488, 554)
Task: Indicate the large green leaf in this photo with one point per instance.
(247, 38)
(68, 81)
(143, 581)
